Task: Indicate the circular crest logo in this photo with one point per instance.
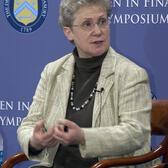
(25, 16)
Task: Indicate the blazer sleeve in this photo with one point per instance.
(25, 130)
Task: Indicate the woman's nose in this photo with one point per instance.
(97, 29)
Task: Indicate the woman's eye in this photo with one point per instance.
(87, 24)
(103, 21)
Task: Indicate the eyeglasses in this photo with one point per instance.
(89, 25)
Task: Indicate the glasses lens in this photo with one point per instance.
(102, 22)
(89, 25)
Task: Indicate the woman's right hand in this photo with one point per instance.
(42, 138)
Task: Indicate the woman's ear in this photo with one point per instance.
(68, 33)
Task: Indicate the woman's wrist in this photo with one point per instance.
(34, 145)
(82, 142)
(33, 150)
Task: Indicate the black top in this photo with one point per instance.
(87, 71)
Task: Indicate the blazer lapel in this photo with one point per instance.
(105, 81)
(64, 84)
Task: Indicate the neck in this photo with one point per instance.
(85, 56)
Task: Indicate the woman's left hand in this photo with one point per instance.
(67, 133)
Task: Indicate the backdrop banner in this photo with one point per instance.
(30, 37)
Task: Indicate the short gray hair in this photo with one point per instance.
(69, 7)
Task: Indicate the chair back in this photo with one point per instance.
(159, 117)
(159, 124)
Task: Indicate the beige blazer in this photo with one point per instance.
(121, 114)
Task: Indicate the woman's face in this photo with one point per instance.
(90, 31)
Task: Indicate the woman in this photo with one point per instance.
(92, 103)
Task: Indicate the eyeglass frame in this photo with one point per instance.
(83, 25)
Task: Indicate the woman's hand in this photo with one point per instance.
(72, 135)
(42, 138)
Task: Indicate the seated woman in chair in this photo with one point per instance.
(90, 104)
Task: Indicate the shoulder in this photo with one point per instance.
(126, 66)
(59, 64)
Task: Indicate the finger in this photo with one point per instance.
(52, 143)
(48, 142)
(60, 127)
(58, 131)
(39, 126)
(61, 140)
(67, 123)
(43, 137)
(59, 134)
(48, 136)
(50, 131)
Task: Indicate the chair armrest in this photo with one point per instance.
(159, 151)
(163, 165)
(13, 160)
